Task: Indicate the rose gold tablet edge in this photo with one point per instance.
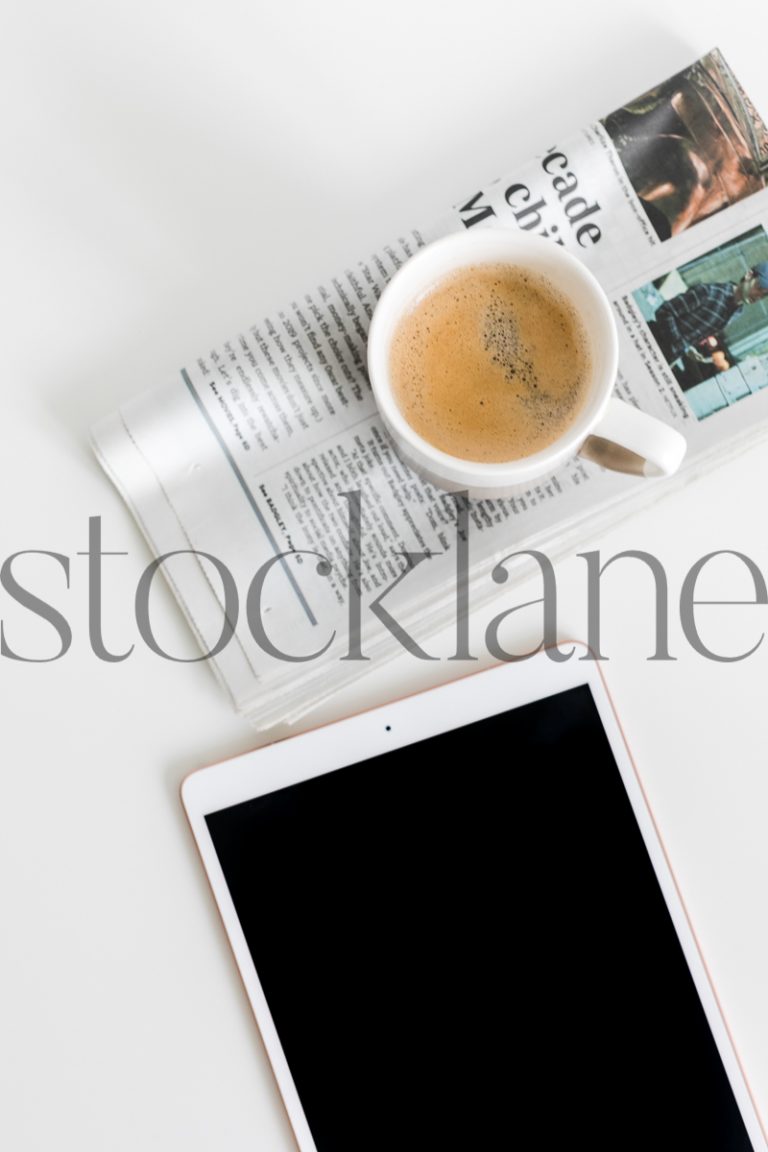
(683, 905)
(241, 978)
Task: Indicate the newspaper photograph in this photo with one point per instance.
(691, 146)
(709, 318)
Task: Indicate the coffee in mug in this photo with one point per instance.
(493, 363)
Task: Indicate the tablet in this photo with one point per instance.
(456, 923)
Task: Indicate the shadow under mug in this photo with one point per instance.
(606, 430)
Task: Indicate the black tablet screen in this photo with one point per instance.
(463, 945)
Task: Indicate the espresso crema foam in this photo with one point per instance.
(491, 364)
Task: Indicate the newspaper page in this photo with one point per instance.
(301, 547)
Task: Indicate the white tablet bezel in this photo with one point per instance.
(408, 721)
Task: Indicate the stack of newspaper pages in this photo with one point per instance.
(305, 549)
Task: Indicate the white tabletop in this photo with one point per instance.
(170, 171)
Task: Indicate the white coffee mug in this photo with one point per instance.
(607, 430)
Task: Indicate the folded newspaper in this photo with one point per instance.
(304, 549)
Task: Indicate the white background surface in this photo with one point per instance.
(169, 173)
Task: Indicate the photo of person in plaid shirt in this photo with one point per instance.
(681, 323)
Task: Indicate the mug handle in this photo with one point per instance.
(628, 440)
